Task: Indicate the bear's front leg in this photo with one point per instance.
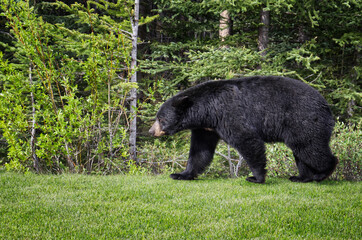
(203, 145)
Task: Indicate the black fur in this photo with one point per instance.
(248, 112)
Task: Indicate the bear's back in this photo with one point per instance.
(261, 91)
(267, 103)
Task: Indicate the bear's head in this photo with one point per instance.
(170, 117)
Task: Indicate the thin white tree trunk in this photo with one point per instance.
(69, 159)
(110, 121)
(224, 27)
(264, 32)
(32, 139)
(133, 95)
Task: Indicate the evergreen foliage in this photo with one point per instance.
(318, 42)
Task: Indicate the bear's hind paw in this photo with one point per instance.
(180, 176)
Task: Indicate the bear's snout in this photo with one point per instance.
(155, 130)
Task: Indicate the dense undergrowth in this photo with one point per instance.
(169, 154)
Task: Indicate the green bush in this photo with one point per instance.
(166, 154)
(346, 144)
(280, 161)
(63, 97)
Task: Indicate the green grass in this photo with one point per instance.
(156, 207)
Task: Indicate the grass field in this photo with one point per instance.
(156, 207)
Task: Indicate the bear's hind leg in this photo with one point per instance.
(203, 145)
(315, 163)
(326, 165)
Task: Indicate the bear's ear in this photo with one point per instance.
(182, 102)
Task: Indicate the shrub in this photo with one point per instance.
(166, 154)
(63, 97)
(346, 144)
(280, 161)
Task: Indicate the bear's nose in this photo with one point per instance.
(155, 130)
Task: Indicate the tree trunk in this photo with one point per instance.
(133, 123)
(224, 27)
(110, 121)
(69, 159)
(263, 32)
(32, 139)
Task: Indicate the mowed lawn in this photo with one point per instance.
(157, 207)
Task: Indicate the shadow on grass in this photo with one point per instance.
(333, 182)
(274, 181)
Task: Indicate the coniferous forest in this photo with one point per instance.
(81, 81)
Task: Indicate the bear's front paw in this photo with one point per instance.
(181, 176)
(254, 180)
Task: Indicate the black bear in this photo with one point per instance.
(246, 113)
